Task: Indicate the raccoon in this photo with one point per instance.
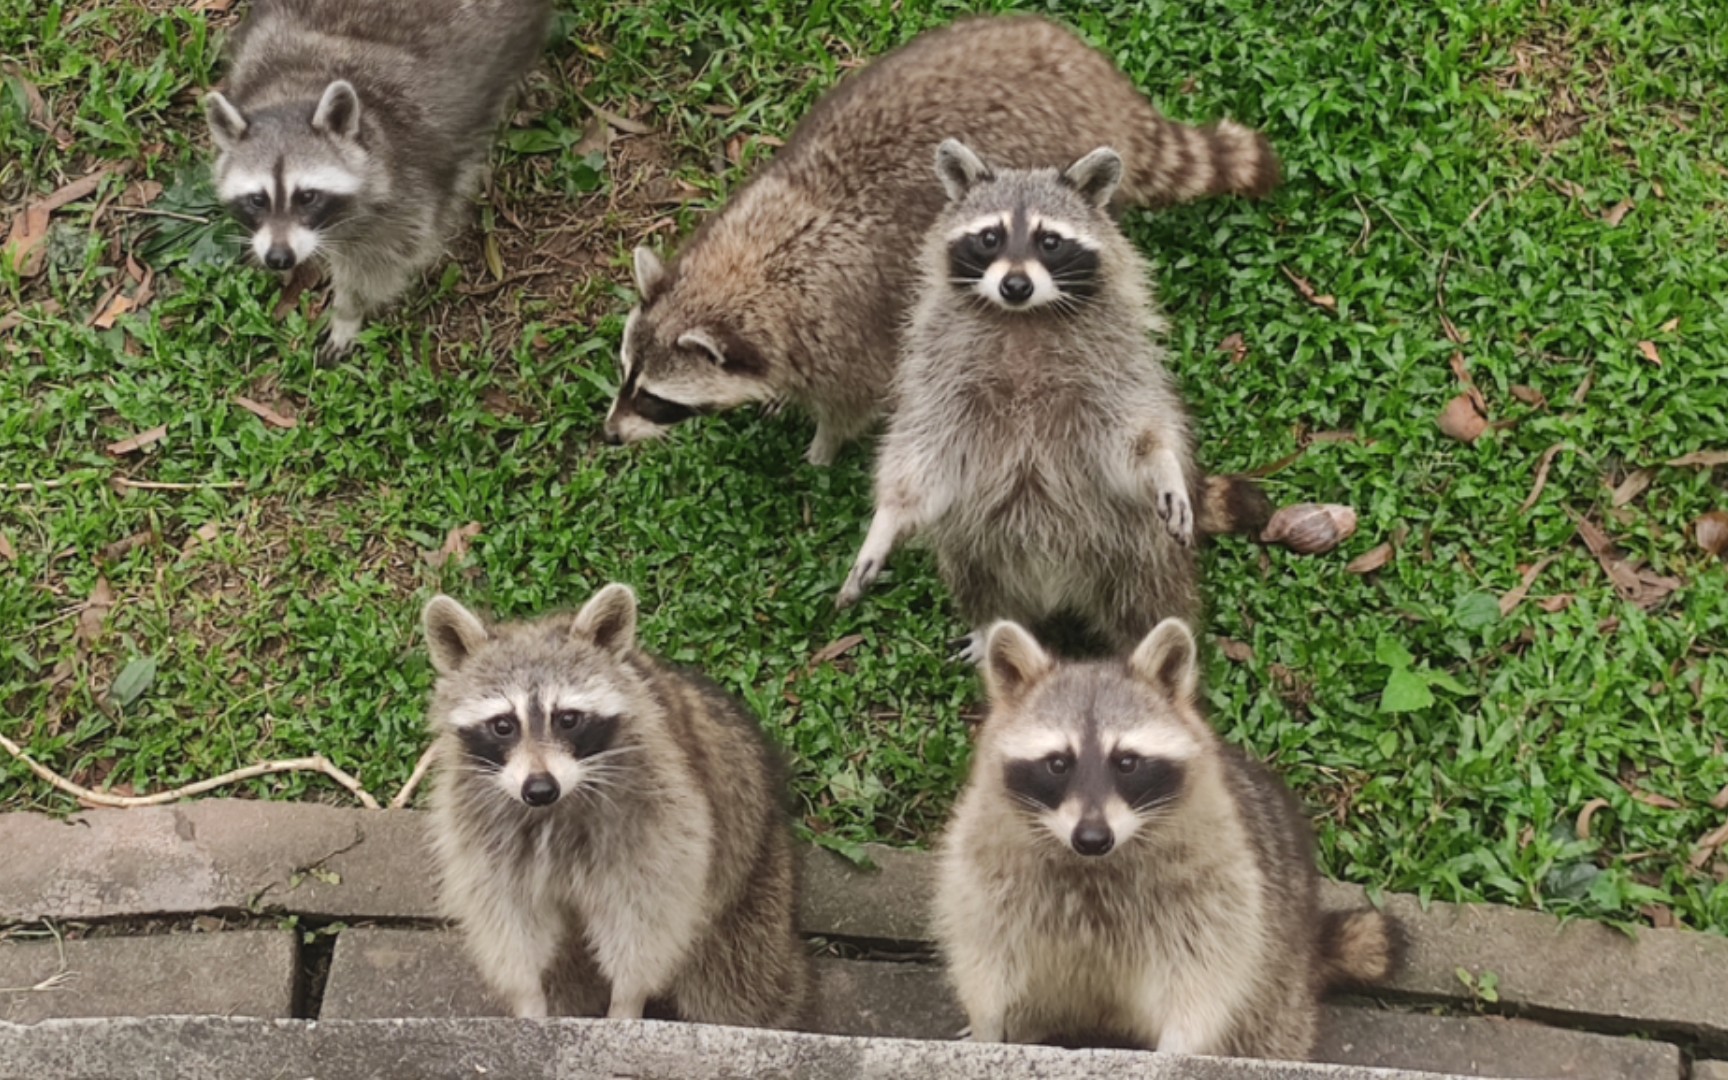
(597, 808)
(1115, 873)
(1036, 437)
(356, 133)
(796, 291)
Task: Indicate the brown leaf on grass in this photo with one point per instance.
(1555, 604)
(1648, 348)
(834, 650)
(1617, 213)
(214, 6)
(622, 123)
(1711, 532)
(1661, 916)
(1462, 420)
(1584, 385)
(1235, 346)
(455, 544)
(265, 413)
(1586, 814)
(1650, 798)
(117, 306)
(1541, 481)
(1461, 369)
(1334, 436)
(120, 548)
(1710, 843)
(94, 615)
(1671, 325)
(140, 193)
(1239, 652)
(1708, 459)
(134, 443)
(1517, 593)
(205, 533)
(12, 320)
(7, 552)
(1530, 396)
(1638, 584)
(1371, 560)
(1310, 528)
(1569, 189)
(1330, 303)
(24, 240)
(1632, 487)
(1719, 801)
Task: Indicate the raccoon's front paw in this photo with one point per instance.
(863, 575)
(330, 350)
(1178, 515)
(968, 649)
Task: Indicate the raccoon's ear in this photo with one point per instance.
(227, 124)
(609, 618)
(453, 633)
(338, 110)
(1167, 660)
(959, 168)
(1013, 661)
(729, 352)
(1095, 176)
(650, 273)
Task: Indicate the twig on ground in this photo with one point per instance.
(414, 779)
(1541, 477)
(60, 978)
(159, 485)
(146, 211)
(316, 763)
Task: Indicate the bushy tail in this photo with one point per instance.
(1179, 162)
(1231, 504)
(1360, 948)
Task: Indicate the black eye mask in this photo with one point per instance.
(657, 410)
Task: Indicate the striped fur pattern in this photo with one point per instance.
(1114, 873)
(796, 290)
(355, 133)
(597, 810)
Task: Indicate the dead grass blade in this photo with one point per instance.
(265, 413)
(1638, 584)
(1330, 303)
(1542, 466)
(134, 443)
(1517, 593)
(1632, 487)
(1707, 459)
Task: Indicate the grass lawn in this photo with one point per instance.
(1536, 187)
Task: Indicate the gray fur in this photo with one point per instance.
(1043, 452)
(398, 99)
(666, 864)
(1199, 932)
(806, 275)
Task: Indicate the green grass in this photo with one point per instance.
(1475, 142)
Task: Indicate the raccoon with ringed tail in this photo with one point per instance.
(1036, 438)
(796, 290)
(594, 807)
(1114, 871)
(356, 133)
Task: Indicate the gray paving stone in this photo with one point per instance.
(215, 855)
(382, 973)
(1489, 1046)
(889, 903)
(865, 997)
(1710, 1070)
(214, 1049)
(233, 973)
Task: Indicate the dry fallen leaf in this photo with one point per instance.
(23, 243)
(1708, 845)
(1569, 189)
(205, 533)
(1648, 348)
(141, 193)
(1650, 798)
(1462, 420)
(94, 615)
(1542, 467)
(7, 551)
(1585, 814)
(12, 320)
(1719, 801)
(1517, 593)
(1617, 213)
(137, 442)
(1708, 459)
(1236, 651)
(834, 650)
(622, 123)
(1530, 396)
(455, 544)
(1554, 604)
(1330, 303)
(1661, 916)
(265, 413)
(120, 548)
(1370, 560)
(1711, 532)
(1671, 325)
(1236, 347)
(1310, 528)
(115, 308)
(1639, 584)
(1632, 487)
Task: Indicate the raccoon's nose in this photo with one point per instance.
(611, 437)
(540, 790)
(1093, 838)
(1016, 288)
(279, 257)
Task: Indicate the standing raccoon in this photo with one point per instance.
(1036, 437)
(597, 807)
(797, 290)
(357, 132)
(1114, 871)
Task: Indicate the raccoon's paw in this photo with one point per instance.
(1178, 515)
(331, 349)
(863, 575)
(968, 649)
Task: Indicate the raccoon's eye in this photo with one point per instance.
(258, 201)
(567, 719)
(990, 239)
(1049, 241)
(1127, 763)
(1058, 764)
(307, 197)
(502, 726)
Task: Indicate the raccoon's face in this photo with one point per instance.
(676, 365)
(539, 710)
(1093, 753)
(1025, 240)
(291, 174)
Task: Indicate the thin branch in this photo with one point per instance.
(34, 485)
(148, 212)
(55, 981)
(157, 485)
(316, 763)
(414, 779)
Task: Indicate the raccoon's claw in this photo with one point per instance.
(329, 349)
(1178, 515)
(968, 649)
(862, 576)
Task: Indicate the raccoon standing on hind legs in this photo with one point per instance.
(1036, 438)
(1113, 870)
(596, 807)
(356, 132)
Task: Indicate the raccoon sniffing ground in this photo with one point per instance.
(1037, 440)
(356, 133)
(594, 807)
(797, 289)
(1114, 872)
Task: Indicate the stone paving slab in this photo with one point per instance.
(1489, 1046)
(233, 973)
(218, 1049)
(1710, 1070)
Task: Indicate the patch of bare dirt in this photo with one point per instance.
(1548, 64)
